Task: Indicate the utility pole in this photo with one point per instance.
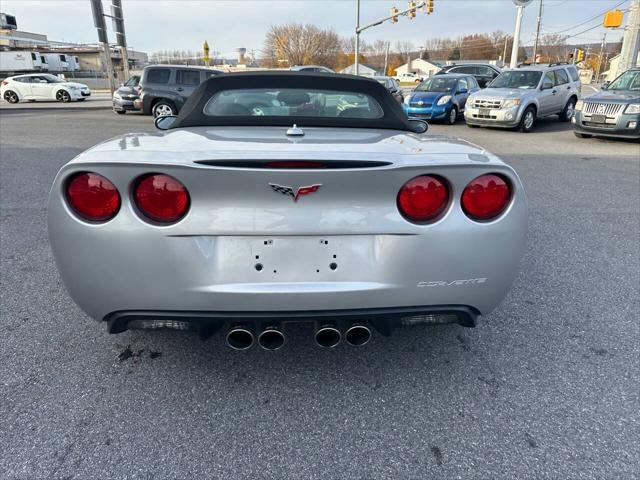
(357, 59)
(631, 40)
(98, 21)
(604, 41)
(504, 53)
(535, 44)
(118, 27)
(386, 58)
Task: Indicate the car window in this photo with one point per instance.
(561, 76)
(293, 102)
(133, 81)
(469, 69)
(574, 74)
(21, 79)
(33, 56)
(188, 77)
(158, 75)
(550, 77)
(472, 82)
(462, 84)
(487, 71)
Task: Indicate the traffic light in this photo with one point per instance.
(394, 15)
(579, 55)
(412, 10)
(428, 7)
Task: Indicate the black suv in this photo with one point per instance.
(165, 88)
(483, 72)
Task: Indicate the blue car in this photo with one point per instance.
(442, 97)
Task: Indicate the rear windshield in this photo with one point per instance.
(293, 102)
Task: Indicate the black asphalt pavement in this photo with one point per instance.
(546, 387)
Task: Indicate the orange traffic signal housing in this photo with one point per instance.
(613, 18)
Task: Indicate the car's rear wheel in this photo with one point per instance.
(63, 96)
(11, 96)
(163, 108)
(582, 135)
(569, 109)
(452, 117)
(528, 120)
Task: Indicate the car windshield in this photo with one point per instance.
(517, 79)
(292, 102)
(437, 84)
(52, 78)
(629, 80)
(132, 82)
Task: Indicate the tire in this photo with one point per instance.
(163, 108)
(120, 112)
(63, 96)
(582, 135)
(452, 117)
(11, 96)
(528, 120)
(568, 111)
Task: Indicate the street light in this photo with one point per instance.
(520, 4)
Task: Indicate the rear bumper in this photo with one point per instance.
(384, 320)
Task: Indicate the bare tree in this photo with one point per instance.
(553, 47)
(297, 44)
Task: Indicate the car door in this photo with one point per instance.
(548, 97)
(564, 88)
(41, 88)
(462, 93)
(186, 82)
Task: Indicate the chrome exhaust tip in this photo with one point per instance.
(357, 335)
(328, 336)
(239, 338)
(271, 338)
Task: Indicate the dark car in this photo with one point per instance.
(164, 89)
(125, 96)
(392, 85)
(441, 97)
(613, 112)
(482, 72)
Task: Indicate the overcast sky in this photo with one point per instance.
(153, 25)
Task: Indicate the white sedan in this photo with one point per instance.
(42, 86)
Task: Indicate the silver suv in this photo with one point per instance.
(517, 97)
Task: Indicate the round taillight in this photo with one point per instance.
(93, 197)
(423, 198)
(161, 198)
(486, 197)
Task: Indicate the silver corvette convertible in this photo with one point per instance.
(279, 197)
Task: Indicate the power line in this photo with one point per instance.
(599, 15)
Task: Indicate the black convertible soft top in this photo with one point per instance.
(192, 113)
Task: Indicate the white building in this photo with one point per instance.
(363, 70)
(422, 68)
(613, 72)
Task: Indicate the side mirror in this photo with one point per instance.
(605, 85)
(418, 126)
(547, 85)
(164, 122)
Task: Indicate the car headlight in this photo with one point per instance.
(632, 108)
(511, 102)
(579, 105)
(444, 100)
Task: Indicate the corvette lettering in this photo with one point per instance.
(295, 194)
(454, 283)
